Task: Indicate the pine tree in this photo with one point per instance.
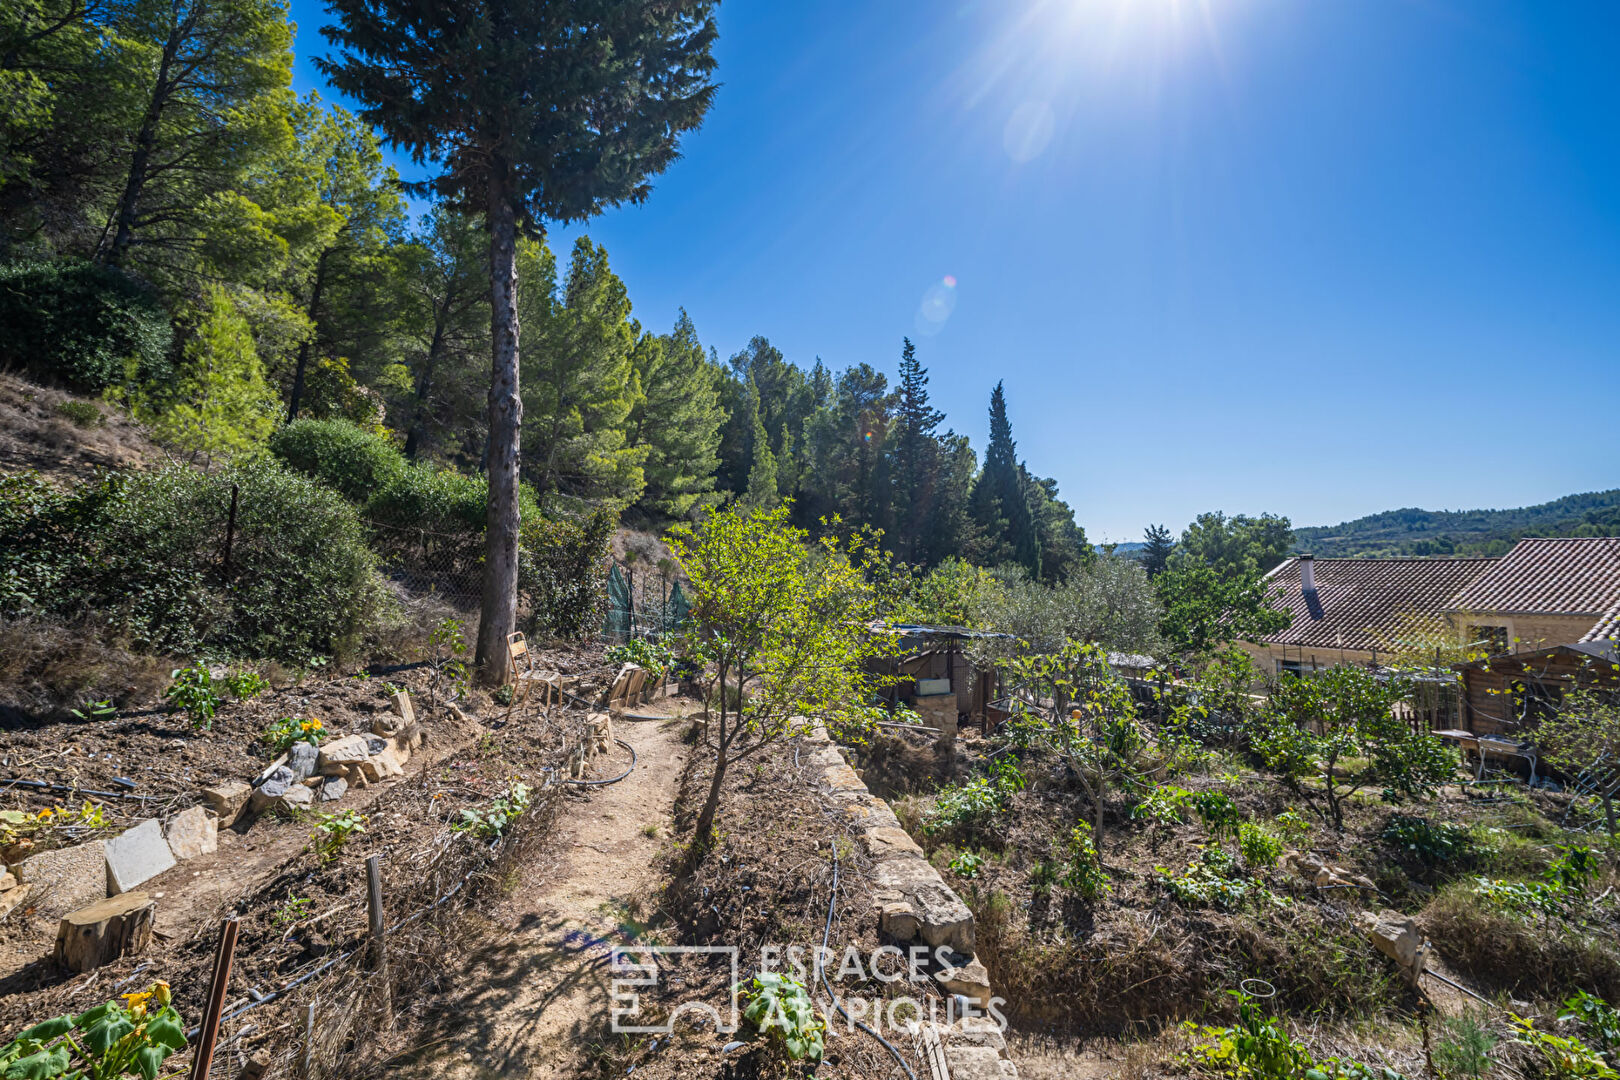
(443, 282)
(581, 384)
(1000, 503)
(537, 111)
(219, 402)
(762, 492)
(216, 96)
(1160, 542)
(678, 421)
(916, 457)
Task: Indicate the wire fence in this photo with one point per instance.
(645, 604)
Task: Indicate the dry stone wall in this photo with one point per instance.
(914, 905)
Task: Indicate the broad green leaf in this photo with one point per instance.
(47, 1030)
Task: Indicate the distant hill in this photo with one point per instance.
(1463, 532)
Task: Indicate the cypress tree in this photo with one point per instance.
(1000, 505)
(678, 421)
(536, 111)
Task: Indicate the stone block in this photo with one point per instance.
(12, 897)
(841, 777)
(66, 878)
(380, 766)
(886, 843)
(301, 758)
(332, 787)
(896, 919)
(942, 917)
(8, 882)
(978, 1031)
(967, 977)
(137, 855)
(296, 797)
(193, 832)
(338, 755)
(976, 1063)
(227, 797)
(1397, 937)
(402, 705)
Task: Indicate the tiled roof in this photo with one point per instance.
(1607, 628)
(1568, 576)
(1365, 603)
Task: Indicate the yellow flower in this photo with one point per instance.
(46, 814)
(160, 990)
(136, 1002)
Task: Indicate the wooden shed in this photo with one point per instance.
(1510, 694)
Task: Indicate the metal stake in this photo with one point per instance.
(217, 989)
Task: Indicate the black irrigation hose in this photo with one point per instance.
(826, 935)
(616, 779)
(40, 785)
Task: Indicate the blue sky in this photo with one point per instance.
(1310, 257)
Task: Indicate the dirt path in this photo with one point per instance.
(535, 1003)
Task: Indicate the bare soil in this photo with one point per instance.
(36, 433)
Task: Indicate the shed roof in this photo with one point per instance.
(1607, 628)
(1364, 603)
(1577, 575)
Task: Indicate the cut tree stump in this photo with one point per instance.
(99, 934)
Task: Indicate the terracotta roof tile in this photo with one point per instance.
(1607, 628)
(1364, 603)
(1567, 576)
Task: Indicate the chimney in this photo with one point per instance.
(1307, 572)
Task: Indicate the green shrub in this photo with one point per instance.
(1082, 870)
(146, 551)
(561, 565)
(1260, 849)
(1465, 1045)
(1218, 811)
(192, 691)
(355, 461)
(1433, 842)
(968, 809)
(431, 498)
(84, 414)
(82, 325)
(780, 1009)
(280, 735)
(1209, 881)
(967, 865)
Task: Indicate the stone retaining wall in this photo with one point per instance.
(915, 905)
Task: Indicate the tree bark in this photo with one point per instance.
(424, 385)
(302, 363)
(505, 421)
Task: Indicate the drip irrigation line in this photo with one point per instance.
(826, 935)
(616, 779)
(40, 785)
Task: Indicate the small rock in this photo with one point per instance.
(193, 832)
(8, 881)
(227, 797)
(297, 797)
(380, 767)
(333, 787)
(274, 787)
(375, 744)
(301, 758)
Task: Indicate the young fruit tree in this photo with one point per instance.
(1584, 741)
(1071, 703)
(532, 111)
(785, 624)
(1341, 727)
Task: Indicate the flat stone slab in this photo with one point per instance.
(884, 842)
(942, 918)
(301, 758)
(12, 897)
(332, 787)
(66, 879)
(192, 833)
(137, 855)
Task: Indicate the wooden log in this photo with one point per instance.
(106, 930)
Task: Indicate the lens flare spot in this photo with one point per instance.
(1029, 129)
(950, 281)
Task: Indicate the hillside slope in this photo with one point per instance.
(65, 436)
(1464, 532)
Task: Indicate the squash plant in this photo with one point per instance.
(780, 1008)
(106, 1042)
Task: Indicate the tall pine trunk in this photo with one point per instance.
(505, 420)
(126, 214)
(302, 363)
